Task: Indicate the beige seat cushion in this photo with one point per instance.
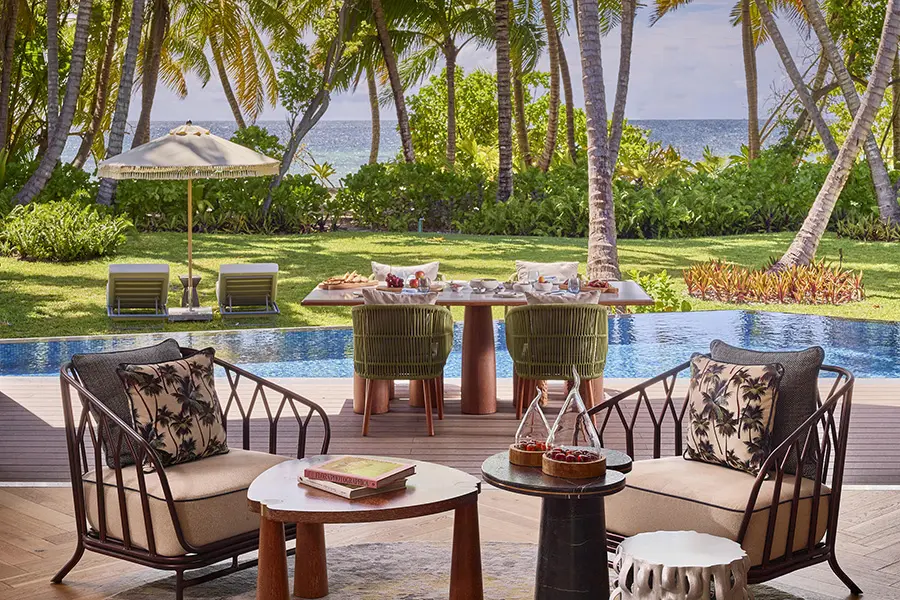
(210, 500)
(683, 495)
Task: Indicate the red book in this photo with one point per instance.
(360, 470)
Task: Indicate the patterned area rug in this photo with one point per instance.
(402, 571)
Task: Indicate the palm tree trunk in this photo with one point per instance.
(226, 84)
(390, 62)
(570, 99)
(150, 77)
(52, 67)
(603, 257)
(888, 208)
(790, 66)
(101, 88)
(450, 55)
(504, 101)
(629, 8)
(801, 129)
(376, 116)
(895, 121)
(521, 122)
(553, 110)
(123, 97)
(752, 79)
(7, 46)
(57, 141)
(803, 249)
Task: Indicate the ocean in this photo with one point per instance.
(345, 144)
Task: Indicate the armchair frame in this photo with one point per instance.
(821, 439)
(96, 426)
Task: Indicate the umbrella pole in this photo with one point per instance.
(190, 228)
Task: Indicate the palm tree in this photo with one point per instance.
(376, 116)
(52, 67)
(603, 258)
(42, 174)
(10, 18)
(569, 97)
(123, 96)
(150, 65)
(504, 101)
(803, 248)
(752, 35)
(436, 27)
(812, 110)
(101, 87)
(390, 63)
(888, 208)
(526, 40)
(553, 110)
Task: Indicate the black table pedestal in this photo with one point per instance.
(572, 550)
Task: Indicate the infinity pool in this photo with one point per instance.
(640, 345)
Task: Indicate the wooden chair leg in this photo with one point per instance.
(438, 385)
(429, 401)
(367, 412)
(522, 396)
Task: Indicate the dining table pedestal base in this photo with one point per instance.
(479, 362)
(572, 550)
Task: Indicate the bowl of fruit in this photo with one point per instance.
(527, 452)
(573, 462)
(542, 285)
(601, 285)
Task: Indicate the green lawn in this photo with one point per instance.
(45, 299)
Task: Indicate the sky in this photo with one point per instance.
(687, 66)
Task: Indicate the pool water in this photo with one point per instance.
(639, 345)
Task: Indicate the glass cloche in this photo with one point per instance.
(533, 430)
(573, 437)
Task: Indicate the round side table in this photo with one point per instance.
(572, 542)
(680, 565)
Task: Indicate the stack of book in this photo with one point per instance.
(357, 476)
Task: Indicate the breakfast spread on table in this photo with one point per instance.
(348, 280)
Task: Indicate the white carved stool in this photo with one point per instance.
(680, 565)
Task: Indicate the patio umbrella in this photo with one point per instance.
(187, 153)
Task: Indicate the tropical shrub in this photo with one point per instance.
(868, 229)
(660, 287)
(394, 196)
(61, 231)
(817, 283)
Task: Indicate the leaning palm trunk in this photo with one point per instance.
(553, 110)
(390, 63)
(521, 122)
(504, 102)
(888, 208)
(629, 8)
(566, 76)
(803, 249)
(52, 67)
(226, 83)
(41, 175)
(101, 89)
(7, 47)
(123, 97)
(895, 119)
(797, 79)
(150, 76)
(752, 78)
(603, 259)
(376, 116)
(450, 52)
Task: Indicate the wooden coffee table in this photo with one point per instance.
(572, 543)
(279, 499)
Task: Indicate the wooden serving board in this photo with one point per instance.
(567, 470)
(347, 286)
(587, 288)
(524, 457)
(434, 288)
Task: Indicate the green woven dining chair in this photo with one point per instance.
(546, 340)
(402, 342)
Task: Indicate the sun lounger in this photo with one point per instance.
(137, 292)
(248, 289)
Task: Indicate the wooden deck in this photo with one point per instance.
(32, 446)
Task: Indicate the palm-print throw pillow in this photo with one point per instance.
(731, 409)
(175, 407)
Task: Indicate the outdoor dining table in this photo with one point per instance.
(479, 363)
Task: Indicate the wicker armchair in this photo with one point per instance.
(165, 519)
(547, 340)
(673, 493)
(402, 342)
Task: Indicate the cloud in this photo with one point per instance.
(687, 66)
